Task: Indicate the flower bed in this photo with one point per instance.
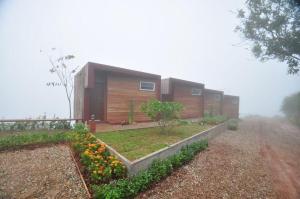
(130, 187)
(98, 163)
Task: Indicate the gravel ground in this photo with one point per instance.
(260, 160)
(46, 172)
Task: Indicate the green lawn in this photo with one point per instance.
(134, 144)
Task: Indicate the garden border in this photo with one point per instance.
(143, 163)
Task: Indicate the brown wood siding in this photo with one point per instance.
(192, 104)
(211, 104)
(121, 90)
(230, 108)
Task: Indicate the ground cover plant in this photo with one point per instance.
(30, 138)
(99, 164)
(212, 119)
(130, 187)
(232, 124)
(33, 125)
(136, 143)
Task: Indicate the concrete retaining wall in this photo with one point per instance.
(143, 163)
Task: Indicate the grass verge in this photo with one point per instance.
(137, 143)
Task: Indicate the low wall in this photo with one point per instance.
(143, 163)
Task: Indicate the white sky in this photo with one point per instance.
(188, 39)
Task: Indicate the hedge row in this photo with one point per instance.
(130, 187)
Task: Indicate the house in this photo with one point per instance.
(112, 94)
(213, 101)
(231, 106)
(189, 94)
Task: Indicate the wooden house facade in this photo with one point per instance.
(231, 106)
(189, 94)
(112, 94)
(213, 101)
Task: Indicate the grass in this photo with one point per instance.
(29, 138)
(136, 143)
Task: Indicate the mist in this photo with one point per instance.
(191, 40)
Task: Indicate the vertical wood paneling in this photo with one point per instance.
(121, 90)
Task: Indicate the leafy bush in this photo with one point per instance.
(130, 187)
(34, 138)
(100, 165)
(184, 122)
(291, 108)
(165, 113)
(34, 125)
(232, 125)
(212, 119)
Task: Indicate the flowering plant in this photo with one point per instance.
(99, 163)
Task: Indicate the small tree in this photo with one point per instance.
(65, 70)
(165, 113)
(291, 107)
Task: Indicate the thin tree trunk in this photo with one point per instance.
(70, 108)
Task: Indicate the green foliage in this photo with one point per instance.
(233, 124)
(165, 113)
(183, 122)
(130, 187)
(274, 28)
(98, 163)
(131, 112)
(12, 141)
(40, 137)
(291, 108)
(80, 128)
(34, 125)
(212, 119)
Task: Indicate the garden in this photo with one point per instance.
(102, 174)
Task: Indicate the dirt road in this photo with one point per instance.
(260, 160)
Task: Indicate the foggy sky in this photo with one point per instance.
(189, 39)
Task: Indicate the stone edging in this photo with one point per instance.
(143, 163)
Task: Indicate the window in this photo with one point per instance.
(147, 86)
(217, 97)
(196, 91)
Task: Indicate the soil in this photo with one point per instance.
(46, 172)
(259, 160)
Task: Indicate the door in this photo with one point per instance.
(97, 101)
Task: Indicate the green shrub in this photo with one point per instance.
(130, 187)
(212, 119)
(34, 138)
(33, 125)
(291, 108)
(166, 113)
(184, 122)
(232, 125)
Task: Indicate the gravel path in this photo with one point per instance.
(260, 160)
(46, 172)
